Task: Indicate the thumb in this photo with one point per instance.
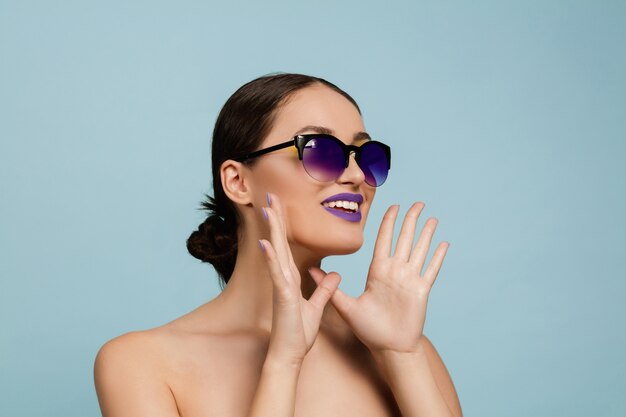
(326, 286)
(317, 274)
(340, 300)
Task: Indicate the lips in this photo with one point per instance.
(351, 217)
(358, 198)
(346, 215)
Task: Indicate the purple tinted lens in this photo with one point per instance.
(374, 164)
(323, 159)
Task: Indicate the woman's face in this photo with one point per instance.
(315, 109)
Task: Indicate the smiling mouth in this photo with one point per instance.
(348, 214)
(344, 206)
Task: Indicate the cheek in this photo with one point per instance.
(303, 213)
(302, 210)
(280, 173)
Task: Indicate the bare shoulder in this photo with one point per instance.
(128, 376)
(150, 353)
(134, 350)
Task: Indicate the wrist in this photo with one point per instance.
(276, 362)
(393, 358)
(393, 365)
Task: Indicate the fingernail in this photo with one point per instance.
(261, 244)
(264, 212)
(269, 199)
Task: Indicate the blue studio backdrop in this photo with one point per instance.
(508, 119)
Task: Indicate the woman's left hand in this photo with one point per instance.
(389, 315)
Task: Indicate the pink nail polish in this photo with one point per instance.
(264, 212)
(262, 247)
(269, 199)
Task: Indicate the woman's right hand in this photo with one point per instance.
(295, 320)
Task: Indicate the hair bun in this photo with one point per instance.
(215, 241)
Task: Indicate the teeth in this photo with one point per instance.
(349, 205)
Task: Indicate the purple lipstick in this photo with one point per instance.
(346, 213)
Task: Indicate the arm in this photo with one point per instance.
(127, 381)
(389, 316)
(295, 321)
(275, 395)
(420, 382)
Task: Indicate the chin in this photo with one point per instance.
(337, 247)
(344, 250)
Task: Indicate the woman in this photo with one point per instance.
(281, 339)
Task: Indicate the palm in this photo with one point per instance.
(390, 313)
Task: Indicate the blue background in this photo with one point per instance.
(508, 119)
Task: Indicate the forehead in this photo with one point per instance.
(316, 105)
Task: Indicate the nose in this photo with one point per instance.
(352, 174)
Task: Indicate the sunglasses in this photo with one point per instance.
(325, 157)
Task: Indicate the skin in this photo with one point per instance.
(207, 362)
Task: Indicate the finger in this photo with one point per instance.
(325, 290)
(407, 233)
(435, 263)
(275, 270)
(418, 256)
(317, 274)
(342, 302)
(382, 247)
(277, 238)
(277, 206)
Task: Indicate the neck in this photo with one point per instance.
(247, 298)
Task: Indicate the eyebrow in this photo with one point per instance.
(326, 131)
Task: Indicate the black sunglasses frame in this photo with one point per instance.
(300, 142)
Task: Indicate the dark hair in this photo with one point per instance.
(241, 127)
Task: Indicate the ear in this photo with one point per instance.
(235, 181)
